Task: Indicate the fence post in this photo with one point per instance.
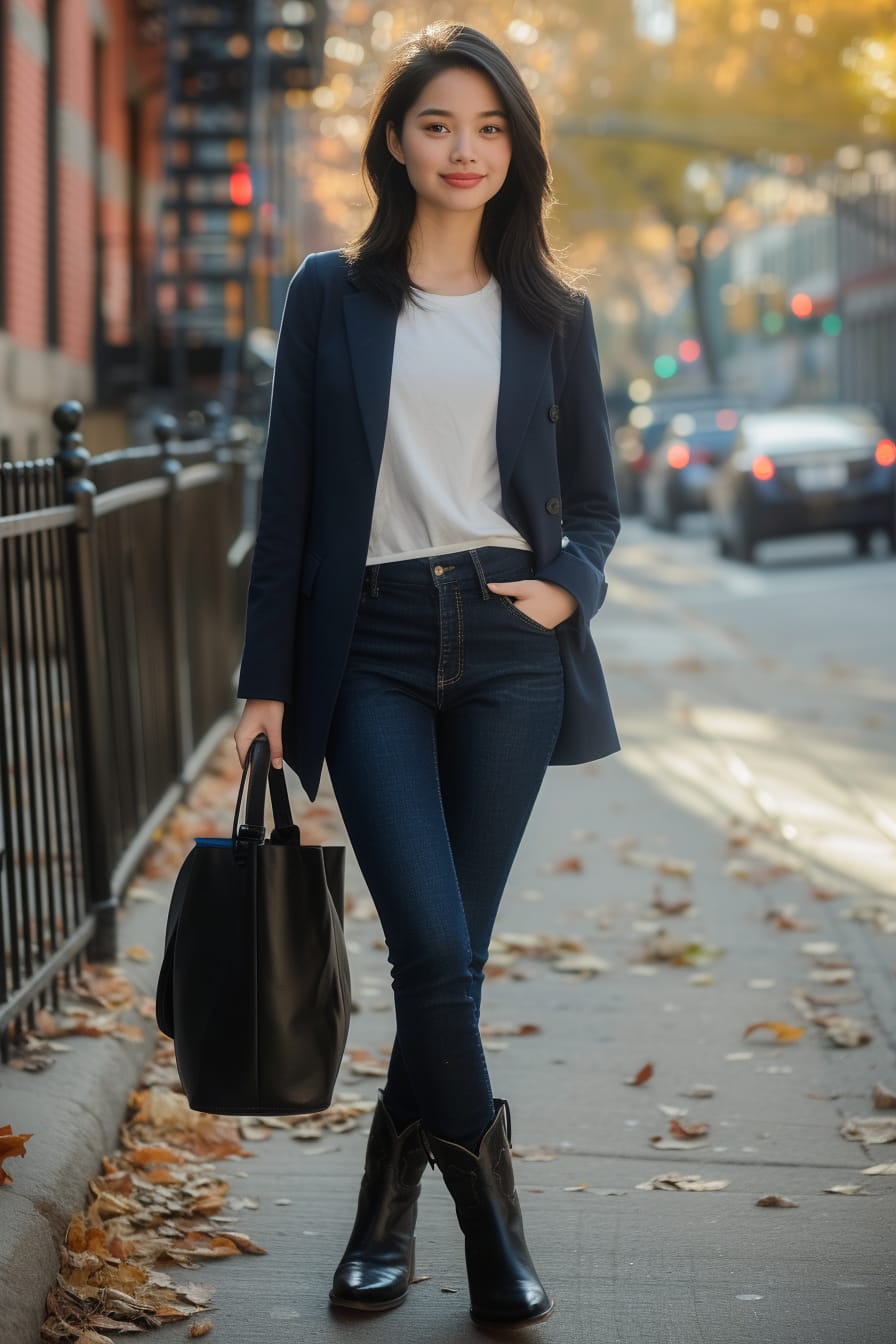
(165, 429)
(90, 725)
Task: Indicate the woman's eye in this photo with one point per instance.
(434, 126)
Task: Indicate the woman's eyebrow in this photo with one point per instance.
(443, 112)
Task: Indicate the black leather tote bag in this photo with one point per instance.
(254, 986)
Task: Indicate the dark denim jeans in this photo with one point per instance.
(447, 716)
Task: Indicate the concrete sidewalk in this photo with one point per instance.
(623, 1263)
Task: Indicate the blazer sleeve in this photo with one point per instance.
(266, 669)
(587, 485)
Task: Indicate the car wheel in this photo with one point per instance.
(660, 522)
(743, 546)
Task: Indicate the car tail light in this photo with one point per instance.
(885, 453)
(678, 455)
(763, 468)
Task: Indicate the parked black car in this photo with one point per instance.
(679, 472)
(804, 469)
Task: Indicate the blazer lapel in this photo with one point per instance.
(525, 354)
(370, 327)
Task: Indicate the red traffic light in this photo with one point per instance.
(240, 185)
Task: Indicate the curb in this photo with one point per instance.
(73, 1111)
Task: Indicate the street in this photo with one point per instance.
(733, 866)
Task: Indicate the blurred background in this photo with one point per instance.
(726, 169)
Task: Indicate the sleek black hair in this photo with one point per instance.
(512, 240)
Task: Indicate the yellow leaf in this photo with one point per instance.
(783, 1030)
(11, 1145)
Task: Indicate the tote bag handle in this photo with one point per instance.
(259, 772)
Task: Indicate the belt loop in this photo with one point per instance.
(474, 554)
(374, 577)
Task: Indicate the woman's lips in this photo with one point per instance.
(462, 179)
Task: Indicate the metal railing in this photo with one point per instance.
(122, 596)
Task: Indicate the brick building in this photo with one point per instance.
(81, 101)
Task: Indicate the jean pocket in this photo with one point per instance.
(521, 615)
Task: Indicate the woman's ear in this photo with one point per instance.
(393, 143)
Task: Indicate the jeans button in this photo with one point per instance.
(437, 569)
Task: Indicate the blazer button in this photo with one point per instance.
(553, 504)
(554, 413)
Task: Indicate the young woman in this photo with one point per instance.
(437, 509)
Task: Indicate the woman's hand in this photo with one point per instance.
(546, 603)
(261, 716)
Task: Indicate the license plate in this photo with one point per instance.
(822, 476)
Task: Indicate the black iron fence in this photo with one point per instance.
(122, 592)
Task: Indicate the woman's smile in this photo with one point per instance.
(462, 179)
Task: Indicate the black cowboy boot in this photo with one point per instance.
(378, 1263)
(504, 1287)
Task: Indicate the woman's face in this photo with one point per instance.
(456, 127)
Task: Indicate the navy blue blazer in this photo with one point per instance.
(326, 431)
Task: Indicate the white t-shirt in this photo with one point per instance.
(439, 488)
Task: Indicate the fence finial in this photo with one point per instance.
(73, 457)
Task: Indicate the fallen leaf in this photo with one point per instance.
(699, 1090)
(200, 1328)
(783, 1031)
(845, 1190)
(883, 1098)
(534, 1154)
(824, 894)
(137, 953)
(670, 907)
(846, 1031)
(880, 1169)
(678, 952)
(786, 919)
(575, 1188)
(869, 1129)
(674, 1180)
(667, 1141)
(668, 866)
(758, 874)
(367, 1065)
(571, 864)
(819, 949)
(776, 1202)
(508, 1029)
(644, 1074)
(694, 1131)
(835, 975)
(11, 1145)
(581, 964)
(672, 1112)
